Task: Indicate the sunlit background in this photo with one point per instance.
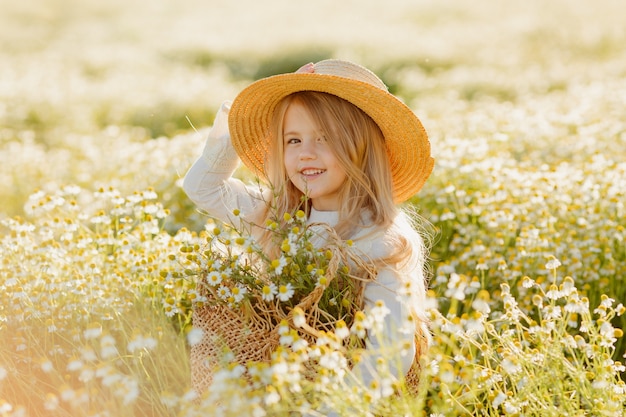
(78, 76)
(524, 102)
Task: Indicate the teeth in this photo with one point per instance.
(312, 171)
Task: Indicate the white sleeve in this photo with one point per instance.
(209, 183)
(395, 343)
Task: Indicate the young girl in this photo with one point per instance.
(332, 141)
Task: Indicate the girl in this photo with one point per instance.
(332, 141)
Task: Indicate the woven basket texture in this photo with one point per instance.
(251, 335)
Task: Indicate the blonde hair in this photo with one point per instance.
(359, 146)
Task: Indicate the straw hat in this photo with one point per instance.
(408, 148)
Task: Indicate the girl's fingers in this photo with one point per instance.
(307, 68)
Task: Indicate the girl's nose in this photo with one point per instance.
(307, 150)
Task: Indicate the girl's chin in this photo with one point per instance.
(304, 189)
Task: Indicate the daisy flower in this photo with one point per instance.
(239, 292)
(214, 278)
(285, 292)
(223, 292)
(278, 265)
(269, 291)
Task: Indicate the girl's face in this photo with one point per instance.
(309, 161)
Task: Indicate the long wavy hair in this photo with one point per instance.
(366, 198)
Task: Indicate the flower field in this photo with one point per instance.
(104, 106)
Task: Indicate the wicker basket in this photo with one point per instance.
(251, 334)
(225, 329)
(228, 330)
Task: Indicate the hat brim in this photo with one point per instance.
(408, 147)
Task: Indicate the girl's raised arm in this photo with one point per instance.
(209, 182)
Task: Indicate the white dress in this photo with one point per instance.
(210, 185)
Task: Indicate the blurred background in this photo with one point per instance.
(91, 91)
(524, 103)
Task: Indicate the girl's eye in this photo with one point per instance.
(290, 141)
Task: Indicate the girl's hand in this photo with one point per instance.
(307, 68)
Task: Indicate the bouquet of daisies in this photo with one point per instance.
(315, 284)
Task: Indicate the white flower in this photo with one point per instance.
(475, 325)
(527, 282)
(287, 338)
(554, 293)
(381, 388)
(279, 370)
(322, 281)
(88, 354)
(553, 263)
(107, 347)
(482, 266)
(214, 278)
(285, 292)
(140, 342)
(272, 397)
(499, 400)
(378, 313)
(269, 291)
(279, 264)
(224, 377)
(223, 292)
(74, 365)
(600, 384)
(360, 325)
(537, 358)
(299, 318)
(617, 366)
(608, 333)
(300, 346)
(239, 292)
(293, 244)
(606, 302)
(481, 305)
(510, 408)
(93, 331)
(551, 312)
(68, 394)
(46, 366)
(51, 402)
(341, 330)
(195, 336)
(456, 287)
(333, 360)
(576, 305)
(433, 366)
(129, 390)
(568, 287)
(511, 366)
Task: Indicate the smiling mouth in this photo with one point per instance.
(311, 172)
